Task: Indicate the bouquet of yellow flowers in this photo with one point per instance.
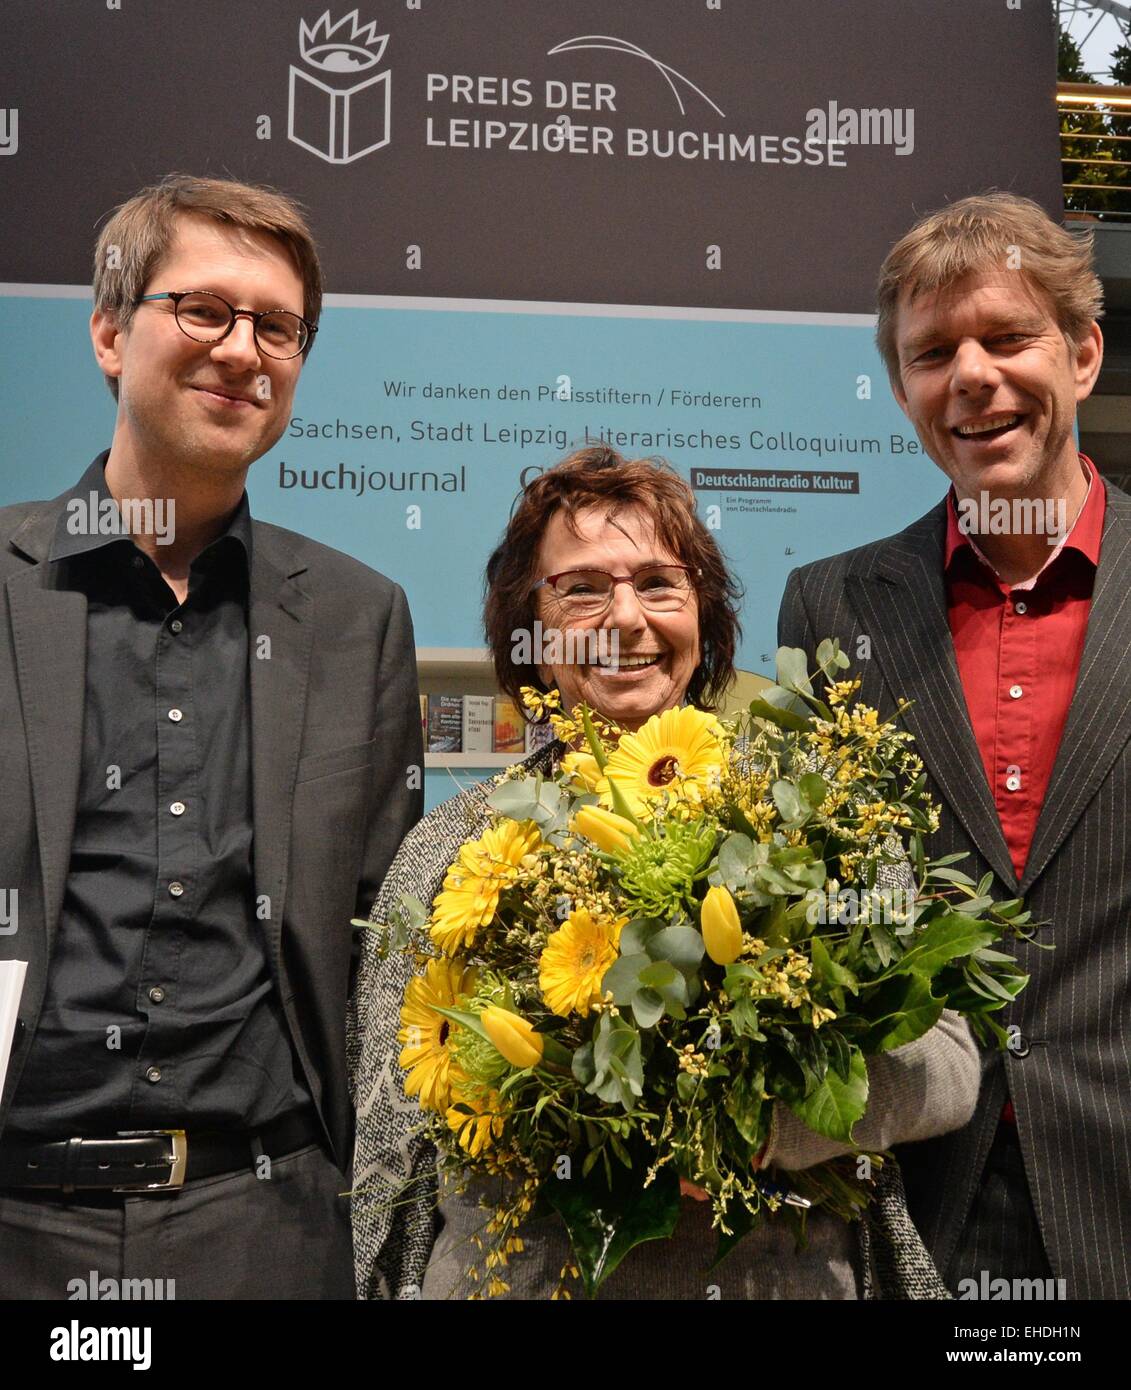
(683, 926)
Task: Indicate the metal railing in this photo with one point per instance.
(1095, 197)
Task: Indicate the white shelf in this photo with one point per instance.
(473, 662)
(474, 760)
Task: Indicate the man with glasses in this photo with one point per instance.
(209, 745)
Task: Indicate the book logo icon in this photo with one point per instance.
(330, 112)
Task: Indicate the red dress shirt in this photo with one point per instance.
(1018, 650)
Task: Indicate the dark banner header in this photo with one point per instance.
(670, 152)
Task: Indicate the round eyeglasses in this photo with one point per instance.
(209, 318)
(589, 593)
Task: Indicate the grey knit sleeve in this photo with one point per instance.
(925, 1088)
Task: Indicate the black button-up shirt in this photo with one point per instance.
(160, 1009)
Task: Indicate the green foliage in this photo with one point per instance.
(609, 1214)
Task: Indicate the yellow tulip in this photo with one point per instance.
(514, 1037)
(722, 931)
(585, 767)
(606, 829)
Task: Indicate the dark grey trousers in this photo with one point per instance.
(1001, 1235)
(236, 1236)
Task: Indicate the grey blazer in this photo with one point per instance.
(922, 1089)
(335, 724)
(1070, 1077)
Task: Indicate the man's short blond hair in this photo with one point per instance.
(140, 231)
(988, 232)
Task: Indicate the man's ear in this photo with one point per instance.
(106, 336)
(1089, 360)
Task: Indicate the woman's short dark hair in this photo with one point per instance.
(600, 477)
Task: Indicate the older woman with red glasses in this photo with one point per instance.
(610, 555)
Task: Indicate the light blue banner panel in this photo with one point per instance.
(413, 429)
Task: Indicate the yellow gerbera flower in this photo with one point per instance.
(575, 959)
(470, 895)
(679, 751)
(478, 1132)
(426, 1055)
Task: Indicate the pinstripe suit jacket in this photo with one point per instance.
(1072, 1089)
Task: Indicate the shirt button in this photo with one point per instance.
(176, 889)
(1013, 784)
(176, 625)
(1021, 606)
(176, 716)
(153, 1074)
(157, 994)
(178, 808)
(1016, 691)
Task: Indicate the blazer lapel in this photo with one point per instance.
(280, 636)
(1099, 718)
(49, 642)
(903, 602)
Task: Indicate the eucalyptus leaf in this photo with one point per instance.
(830, 658)
(793, 669)
(518, 799)
(788, 800)
(790, 720)
(682, 946)
(647, 1007)
(659, 974)
(583, 1069)
(636, 934)
(623, 977)
(813, 789)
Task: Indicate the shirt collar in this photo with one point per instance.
(75, 535)
(1084, 535)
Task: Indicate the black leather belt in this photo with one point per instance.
(152, 1160)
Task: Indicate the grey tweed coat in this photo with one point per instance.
(923, 1089)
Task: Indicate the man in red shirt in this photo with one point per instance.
(1003, 615)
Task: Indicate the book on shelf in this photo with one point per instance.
(445, 723)
(478, 723)
(510, 726)
(538, 736)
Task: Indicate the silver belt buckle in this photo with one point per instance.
(178, 1158)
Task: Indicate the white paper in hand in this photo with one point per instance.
(12, 974)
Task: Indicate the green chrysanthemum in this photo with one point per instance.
(658, 872)
(478, 1059)
(476, 1056)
